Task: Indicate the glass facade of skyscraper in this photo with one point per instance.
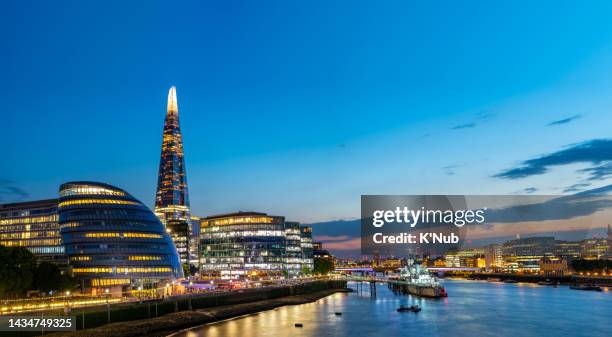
(179, 232)
(172, 197)
(112, 239)
(307, 248)
(33, 225)
(250, 244)
(293, 248)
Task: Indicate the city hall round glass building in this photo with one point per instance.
(112, 239)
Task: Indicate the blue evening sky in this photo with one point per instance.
(298, 108)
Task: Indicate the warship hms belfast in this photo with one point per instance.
(416, 280)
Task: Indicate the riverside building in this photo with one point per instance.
(101, 234)
(180, 234)
(252, 245)
(113, 240)
(33, 225)
(172, 196)
(293, 248)
(307, 248)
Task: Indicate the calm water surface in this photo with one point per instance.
(473, 308)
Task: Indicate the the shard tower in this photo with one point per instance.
(172, 198)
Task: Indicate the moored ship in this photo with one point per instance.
(419, 282)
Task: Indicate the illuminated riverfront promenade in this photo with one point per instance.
(172, 291)
(171, 313)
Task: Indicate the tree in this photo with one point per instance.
(48, 277)
(323, 265)
(68, 282)
(591, 265)
(192, 269)
(17, 269)
(186, 270)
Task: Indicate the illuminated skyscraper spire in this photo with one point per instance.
(172, 198)
(172, 101)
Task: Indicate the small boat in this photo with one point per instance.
(547, 282)
(403, 308)
(338, 313)
(585, 287)
(298, 325)
(510, 281)
(413, 308)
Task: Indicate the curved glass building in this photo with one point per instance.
(112, 239)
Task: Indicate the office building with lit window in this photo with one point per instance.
(307, 248)
(250, 245)
(112, 239)
(593, 249)
(293, 248)
(172, 196)
(33, 225)
(180, 234)
(494, 257)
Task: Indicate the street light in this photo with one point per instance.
(67, 309)
(106, 291)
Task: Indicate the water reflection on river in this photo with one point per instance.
(473, 308)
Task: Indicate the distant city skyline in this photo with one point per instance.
(406, 99)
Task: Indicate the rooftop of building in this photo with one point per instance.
(235, 214)
(28, 204)
(89, 183)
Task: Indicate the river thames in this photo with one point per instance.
(473, 308)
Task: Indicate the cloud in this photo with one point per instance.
(449, 170)
(596, 152)
(8, 188)
(328, 238)
(575, 188)
(597, 191)
(481, 117)
(564, 120)
(352, 244)
(341, 237)
(600, 172)
(530, 190)
(464, 126)
(337, 228)
(554, 208)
